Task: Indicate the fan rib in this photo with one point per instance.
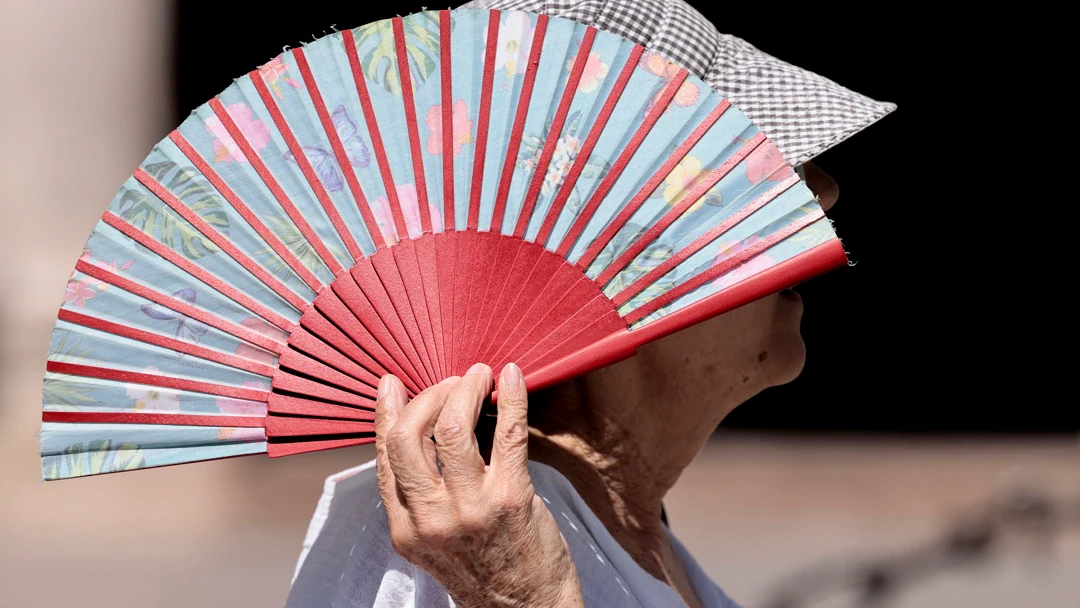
(620, 163)
(628, 211)
(446, 253)
(600, 328)
(428, 265)
(288, 405)
(514, 144)
(595, 308)
(582, 158)
(408, 273)
(446, 91)
(547, 275)
(148, 337)
(310, 344)
(559, 287)
(699, 243)
(305, 167)
(179, 306)
(222, 242)
(497, 278)
(385, 266)
(183, 384)
(554, 133)
(378, 149)
(465, 244)
(293, 383)
(413, 131)
(382, 338)
(375, 293)
(719, 269)
(483, 260)
(274, 187)
(198, 272)
(277, 450)
(673, 214)
(295, 360)
(282, 426)
(362, 204)
(480, 154)
(512, 289)
(245, 212)
(150, 417)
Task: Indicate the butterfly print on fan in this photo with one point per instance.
(186, 329)
(323, 160)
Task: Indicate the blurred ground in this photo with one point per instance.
(83, 98)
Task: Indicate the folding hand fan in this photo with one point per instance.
(410, 197)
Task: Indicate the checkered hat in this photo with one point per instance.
(803, 113)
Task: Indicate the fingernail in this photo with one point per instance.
(384, 386)
(511, 375)
(478, 368)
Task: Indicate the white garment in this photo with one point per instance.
(347, 559)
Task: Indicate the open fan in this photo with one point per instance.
(410, 197)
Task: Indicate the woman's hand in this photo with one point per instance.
(481, 531)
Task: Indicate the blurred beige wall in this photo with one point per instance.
(84, 93)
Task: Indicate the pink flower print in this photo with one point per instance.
(594, 72)
(254, 353)
(688, 92)
(410, 208)
(515, 38)
(274, 72)
(78, 292)
(152, 397)
(747, 269)
(767, 163)
(254, 131)
(242, 407)
(462, 128)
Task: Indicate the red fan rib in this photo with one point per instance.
(305, 166)
(699, 243)
(540, 170)
(198, 272)
(222, 242)
(581, 160)
(179, 306)
(714, 272)
(524, 96)
(121, 375)
(616, 224)
(249, 216)
(678, 209)
(335, 143)
(275, 188)
(153, 418)
(447, 92)
(405, 77)
(378, 149)
(174, 344)
(620, 163)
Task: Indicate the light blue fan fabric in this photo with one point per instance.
(297, 264)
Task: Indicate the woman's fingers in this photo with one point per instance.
(462, 466)
(510, 448)
(391, 400)
(414, 469)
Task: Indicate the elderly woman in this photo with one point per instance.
(569, 510)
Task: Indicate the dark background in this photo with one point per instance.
(925, 333)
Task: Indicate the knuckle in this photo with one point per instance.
(514, 434)
(396, 439)
(401, 541)
(433, 531)
(451, 432)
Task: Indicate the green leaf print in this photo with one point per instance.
(378, 55)
(94, 458)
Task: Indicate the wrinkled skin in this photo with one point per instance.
(621, 435)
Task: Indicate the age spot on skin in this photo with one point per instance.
(762, 356)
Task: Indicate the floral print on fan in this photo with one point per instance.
(562, 159)
(462, 128)
(274, 72)
(688, 92)
(79, 291)
(242, 407)
(593, 74)
(255, 132)
(152, 397)
(749, 268)
(410, 208)
(767, 163)
(515, 40)
(683, 178)
(262, 327)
